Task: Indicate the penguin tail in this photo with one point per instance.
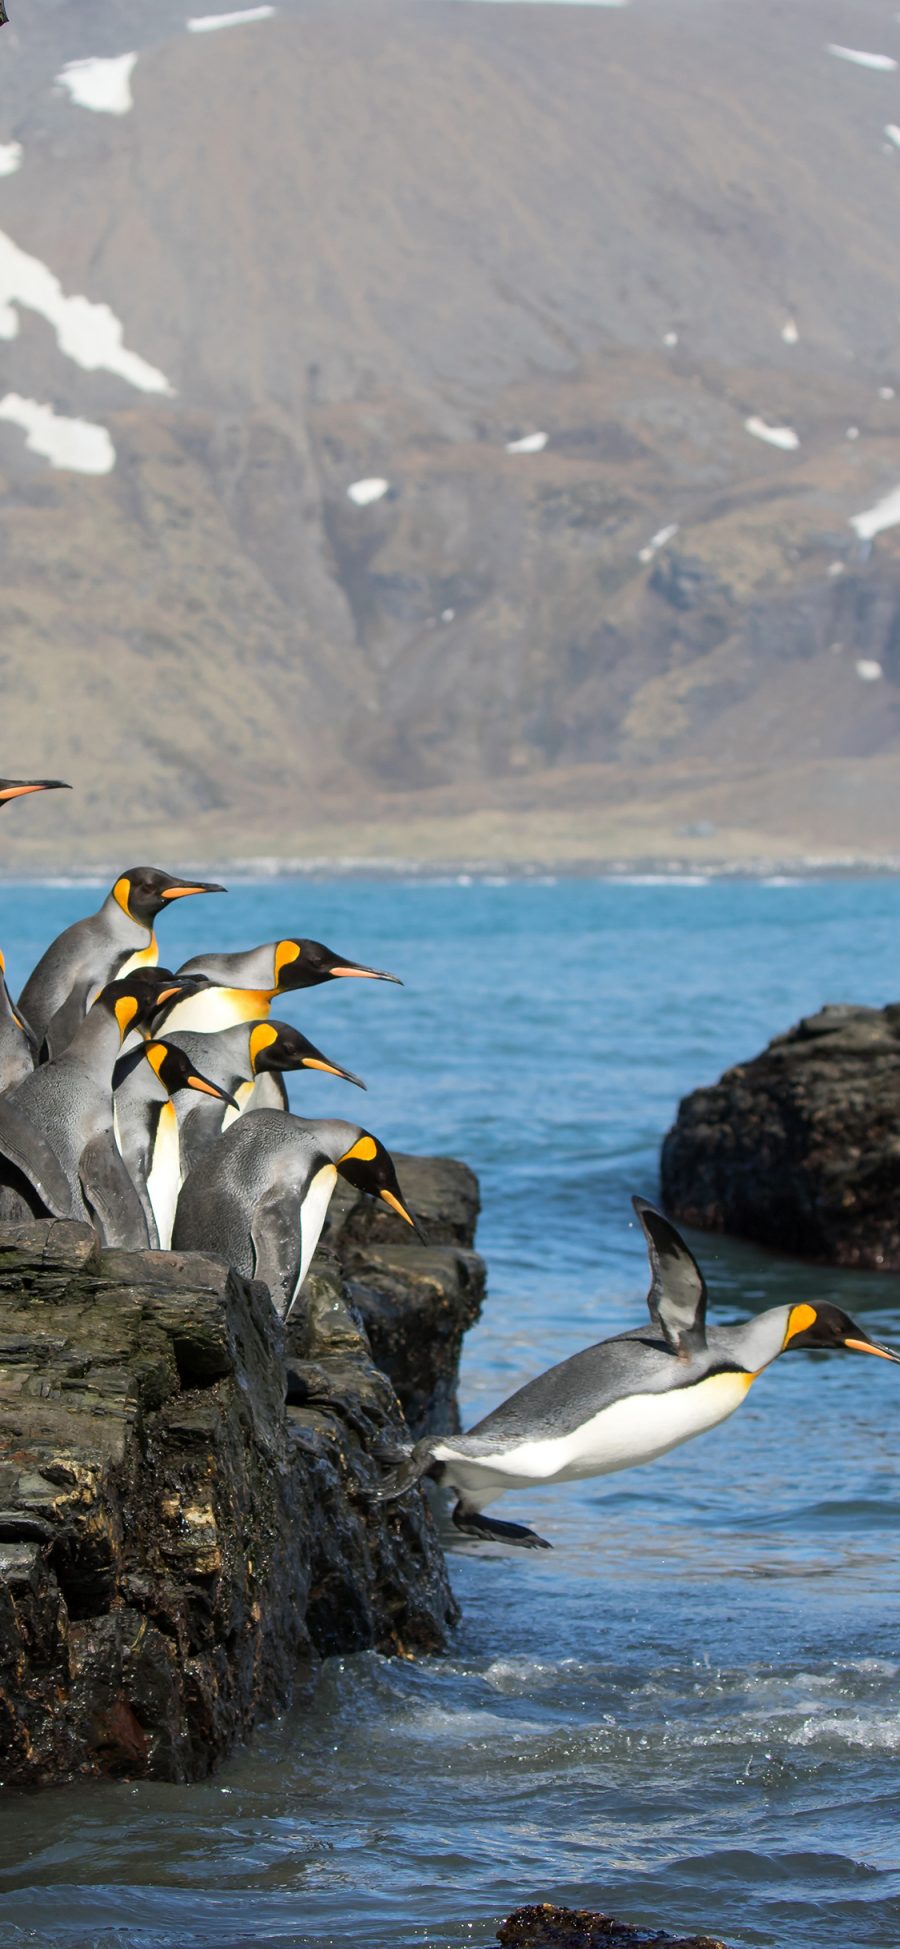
(414, 1465)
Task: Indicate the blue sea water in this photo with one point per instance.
(687, 1712)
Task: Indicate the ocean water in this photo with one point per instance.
(687, 1711)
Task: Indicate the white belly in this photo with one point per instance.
(619, 1437)
(164, 1181)
(217, 1008)
(145, 957)
(242, 1097)
(312, 1218)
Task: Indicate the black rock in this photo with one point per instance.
(799, 1149)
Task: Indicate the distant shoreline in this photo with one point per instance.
(642, 872)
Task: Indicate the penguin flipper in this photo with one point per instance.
(677, 1296)
(30, 1154)
(275, 1238)
(110, 1196)
(67, 1020)
(471, 1522)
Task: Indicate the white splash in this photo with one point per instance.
(881, 63)
(89, 333)
(892, 131)
(868, 670)
(777, 436)
(10, 158)
(447, 615)
(657, 541)
(530, 443)
(836, 568)
(886, 392)
(210, 23)
(78, 446)
(103, 85)
(873, 521)
(670, 338)
(852, 433)
(364, 492)
(789, 332)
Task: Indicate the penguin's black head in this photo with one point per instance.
(143, 891)
(19, 788)
(369, 1167)
(276, 1045)
(827, 1326)
(303, 964)
(176, 1071)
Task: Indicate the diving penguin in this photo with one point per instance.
(626, 1400)
(58, 1154)
(259, 1196)
(145, 1122)
(238, 1059)
(245, 984)
(104, 947)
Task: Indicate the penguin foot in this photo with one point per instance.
(489, 1529)
(406, 1476)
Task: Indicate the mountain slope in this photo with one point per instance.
(383, 242)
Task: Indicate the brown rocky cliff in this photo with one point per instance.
(177, 1547)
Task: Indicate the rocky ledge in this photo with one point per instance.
(178, 1545)
(800, 1148)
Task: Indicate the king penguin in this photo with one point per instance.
(145, 1121)
(18, 1042)
(260, 1195)
(624, 1401)
(58, 1154)
(238, 1059)
(104, 947)
(245, 984)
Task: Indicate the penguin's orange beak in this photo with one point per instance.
(868, 1346)
(182, 888)
(19, 789)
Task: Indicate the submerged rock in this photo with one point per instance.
(178, 1545)
(541, 1925)
(800, 1148)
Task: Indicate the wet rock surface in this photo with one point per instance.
(799, 1149)
(542, 1925)
(179, 1545)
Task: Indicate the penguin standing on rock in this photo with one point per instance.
(259, 1196)
(106, 946)
(626, 1400)
(58, 1154)
(238, 1059)
(145, 1121)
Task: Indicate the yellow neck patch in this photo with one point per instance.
(799, 1318)
(285, 953)
(156, 1053)
(126, 1010)
(362, 1151)
(262, 1037)
(122, 894)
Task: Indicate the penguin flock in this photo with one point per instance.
(124, 1087)
(151, 1104)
